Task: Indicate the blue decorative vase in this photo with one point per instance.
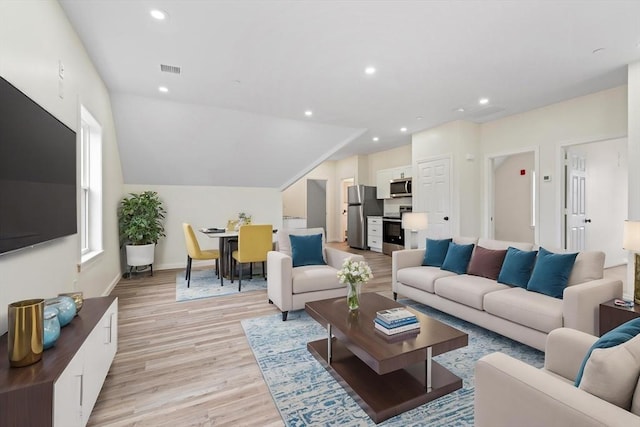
(51, 327)
(66, 308)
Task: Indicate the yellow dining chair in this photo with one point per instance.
(254, 241)
(194, 252)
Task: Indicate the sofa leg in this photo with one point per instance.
(395, 296)
(270, 302)
(284, 315)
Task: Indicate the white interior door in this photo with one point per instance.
(576, 215)
(433, 196)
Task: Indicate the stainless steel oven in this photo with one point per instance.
(392, 231)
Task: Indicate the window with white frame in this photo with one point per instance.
(90, 229)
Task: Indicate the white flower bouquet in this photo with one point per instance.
(354, 273)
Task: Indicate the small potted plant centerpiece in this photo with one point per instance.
(140, 222)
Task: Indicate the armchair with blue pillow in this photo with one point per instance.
(304, 269)
(586, 381)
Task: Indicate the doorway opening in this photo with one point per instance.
(512, 209)
(346, 182)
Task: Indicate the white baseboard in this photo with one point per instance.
(112, 285)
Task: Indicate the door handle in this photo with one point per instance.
(587, 220)
(446, 218)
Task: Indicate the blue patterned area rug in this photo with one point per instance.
(205, 284)
(307, 395)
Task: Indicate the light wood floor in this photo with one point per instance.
(189, 363)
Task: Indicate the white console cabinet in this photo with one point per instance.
(63, 387)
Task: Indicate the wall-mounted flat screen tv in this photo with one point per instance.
(37, 173)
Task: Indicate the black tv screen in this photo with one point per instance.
(37, 173)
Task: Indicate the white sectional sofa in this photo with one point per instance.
(514, 312)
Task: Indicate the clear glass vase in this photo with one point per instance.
(353, 295)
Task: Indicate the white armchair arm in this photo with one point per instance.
(403, 259)
(565, 350)
(511, 393)
(279, 280)
(581, 303)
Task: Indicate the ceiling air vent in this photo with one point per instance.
(169, 69)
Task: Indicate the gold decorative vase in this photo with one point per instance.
(26, 332)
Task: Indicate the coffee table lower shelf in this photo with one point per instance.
(387, 395)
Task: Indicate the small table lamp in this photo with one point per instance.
(414, 221)
(631, 242)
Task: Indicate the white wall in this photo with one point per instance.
(602, 115)
(633, 137)
(207, 207)
(461, 140)
(35, 35)
(512, 212)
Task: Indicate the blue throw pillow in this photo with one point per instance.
(306, 250)
(551, 273)
(517, 266)
(457, 258)
(614, 337)
(436, 252)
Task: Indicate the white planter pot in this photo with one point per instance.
(138, 255)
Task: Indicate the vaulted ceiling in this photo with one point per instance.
(235, 115)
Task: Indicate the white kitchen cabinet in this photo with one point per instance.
(374, 233)
(383, 177)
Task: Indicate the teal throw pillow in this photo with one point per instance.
(457, 258)
(517, 266)
(614, 337)
(551, 273)
(436, 252)
(306, 250)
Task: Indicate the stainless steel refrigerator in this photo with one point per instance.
(362, 203)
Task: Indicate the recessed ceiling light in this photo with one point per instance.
(376, 139)
(483, 101)
(460, 110)
(163, 89)
(370, 70)
(158, 14)
(419, 118)
(403, 129)
(308, 113)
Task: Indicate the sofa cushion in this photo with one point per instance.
(551, 273)
(314, 278)
(589, 265)
(467, 290)
(436, 251)
(517, 267)
(503, 244)
(421, 277)
(614, 337)
(530, 309)
(635, 402)
(457, 258)
(486, 262)
(612, 373)
(306, 250)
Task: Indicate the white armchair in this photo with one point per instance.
(291, 288)
(510, 392)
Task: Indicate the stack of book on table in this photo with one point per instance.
(396, 320)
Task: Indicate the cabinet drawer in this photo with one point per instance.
(375, 230)
(374, 242)
(374, 220)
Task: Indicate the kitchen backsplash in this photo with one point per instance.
(392, 206)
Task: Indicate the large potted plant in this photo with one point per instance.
(140, 221)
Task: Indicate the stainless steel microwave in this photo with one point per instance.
(400, 187)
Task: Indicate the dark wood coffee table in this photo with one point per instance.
(385, 375)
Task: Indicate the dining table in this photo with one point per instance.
(224, 237)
